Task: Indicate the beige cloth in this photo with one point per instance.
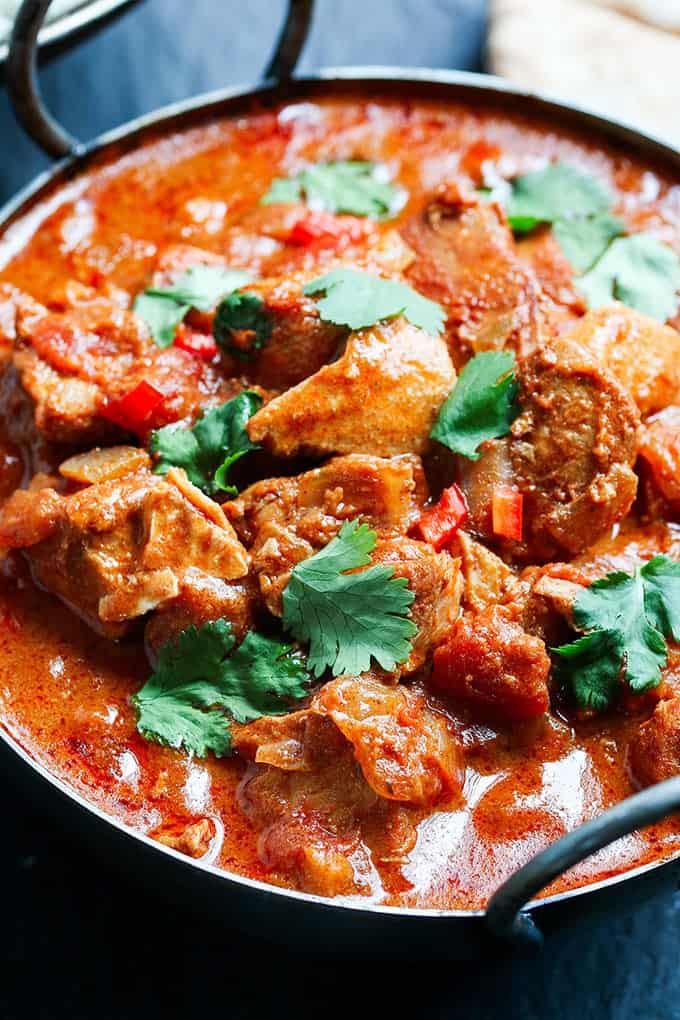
(591, 54)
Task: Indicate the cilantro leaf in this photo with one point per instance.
(592, 667)
(638, 270)
(557, 192)
(349, 618)
(662, 594)
(344, 186)
(584, 240)
(576, 205)
(283, 189)
(482, 404)
(242, 312)
(201, 287)
(357, 300)
(200, 682)
(162, 315)
(625, 617)
(208, 450)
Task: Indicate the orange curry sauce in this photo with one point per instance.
(65, 692)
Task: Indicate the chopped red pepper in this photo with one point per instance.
(135, 408)
(475, 156)
(201, 345)
(440, 523)
(507, 512)
(325, 230)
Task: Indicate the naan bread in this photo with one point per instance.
(594, 57)
(662, 13)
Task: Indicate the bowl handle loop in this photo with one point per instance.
(24, 91)
(506, 914)
(22, 83)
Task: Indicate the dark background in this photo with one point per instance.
(79, 940)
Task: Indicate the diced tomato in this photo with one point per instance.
(135, 408)
(475, 156)
(507, 512)
(325, 230)
(201, 345)
(439, 524)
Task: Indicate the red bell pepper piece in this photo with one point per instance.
(135, 408)
(201, 345)
(326, 230)
(439, 524)
(507, 512)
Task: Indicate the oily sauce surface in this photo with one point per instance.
(65, 693)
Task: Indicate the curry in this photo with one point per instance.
(339, 470)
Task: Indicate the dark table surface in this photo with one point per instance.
(78, 940)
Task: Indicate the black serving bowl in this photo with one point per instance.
(513, 914)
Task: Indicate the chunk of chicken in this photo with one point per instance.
(655, 749)
(572, 449)
(641, 353)
(541, 251)
(406, 751)
(466, 260)
(118, 549)
(203, 598)
(285, 520)
(485, 575)
(490, 662)
(345, 780)
(320, 822)
(660, 449)
(193, 838)
(381, 397)
(436, 581)
(299, 343)
(541, 599)
(71, 363)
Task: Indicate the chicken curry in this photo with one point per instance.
(339, 480)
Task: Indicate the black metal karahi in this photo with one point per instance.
(513, 914)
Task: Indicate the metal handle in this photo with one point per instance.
(506, 914)
(24, 91)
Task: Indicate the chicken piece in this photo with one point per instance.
(342, 784)
(285, 520)
(541, 251)
(405, 750)
(625, 550)
(317, 816)
(72, 363)
(572, 449)
(485, 575)
(437, 583)
(466, 260)
(299, 343)
(654, 752)
(118, 549)
(541, 599)
(193, 839)
(203, 598)
(297, 742)
(660, 449)
(381, 397)
(641, 353)
(491, 662)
